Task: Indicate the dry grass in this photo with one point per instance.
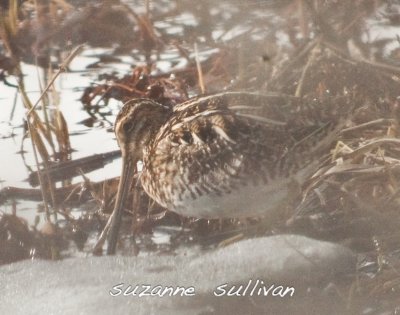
(353, 197)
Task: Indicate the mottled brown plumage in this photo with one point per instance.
(214, 157)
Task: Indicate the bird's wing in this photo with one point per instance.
(214, 146)
(219, 132)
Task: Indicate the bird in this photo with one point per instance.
(214, 157)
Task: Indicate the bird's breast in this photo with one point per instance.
(237, 199)
(204, 191)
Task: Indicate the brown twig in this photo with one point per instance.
(199, 70)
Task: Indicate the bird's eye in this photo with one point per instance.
(128, 126)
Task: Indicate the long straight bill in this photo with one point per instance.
(125, 181)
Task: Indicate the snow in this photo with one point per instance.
(83, 285)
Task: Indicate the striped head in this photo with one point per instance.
(137, 123)
(135, 126)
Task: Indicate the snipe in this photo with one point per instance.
(210, 157)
